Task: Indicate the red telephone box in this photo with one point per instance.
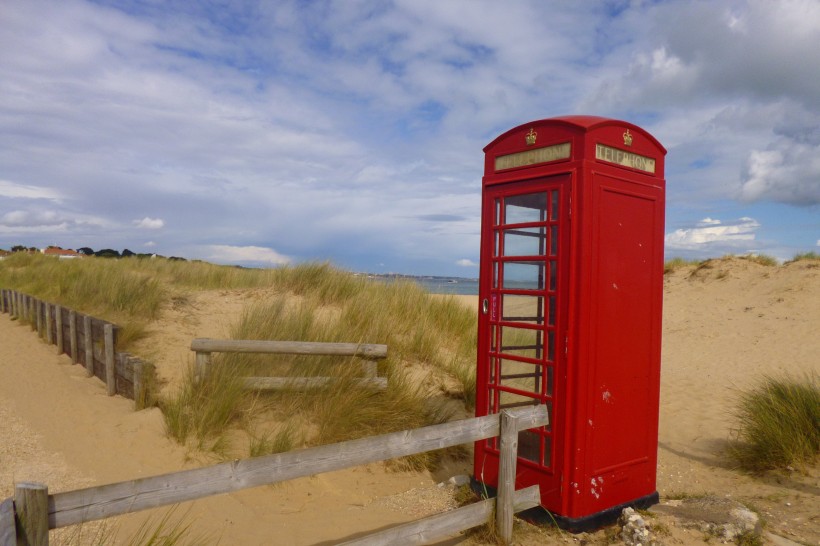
(570, 292)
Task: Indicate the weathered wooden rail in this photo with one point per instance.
(89, 341)
(370, 353)
(26, 518)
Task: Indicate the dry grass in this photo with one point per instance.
(316, 302)
(778, 425)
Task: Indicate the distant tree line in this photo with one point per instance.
(104, 253)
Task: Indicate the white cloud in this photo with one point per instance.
(149, 223)
(150, 244)
(787, 173)
(465, 262)
(711, 234)
(245, 254)
(23, 191)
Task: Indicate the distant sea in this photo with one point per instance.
(460, 286)
(437, 285)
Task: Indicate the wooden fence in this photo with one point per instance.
(26, 518)
(370, 354)
(89, 341)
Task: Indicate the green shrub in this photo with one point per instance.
(778, 425)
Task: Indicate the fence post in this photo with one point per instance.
(72, 335)
(58, 320)
(49, 337)
(31, 319)
(139, 387)
(110, 378)
(89, 346)
(31, 505)
(39, 317)
(506, 476)
(201, 366)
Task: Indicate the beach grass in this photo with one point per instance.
(311, 302)
(778, 425)
(806, 256)
(319, 303)
(674, 264)
(129, 292)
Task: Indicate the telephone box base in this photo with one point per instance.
(540, 516)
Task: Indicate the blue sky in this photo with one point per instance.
(261, 133)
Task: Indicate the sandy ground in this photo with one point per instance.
(724, 327)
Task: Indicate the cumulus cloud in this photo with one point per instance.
(246, 254)
(466, 262)
(712, 234)
(149, 223)
(787, 173)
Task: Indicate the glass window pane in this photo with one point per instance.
(554, 211)
(551, 346)
(525, 241)
(548, 451)
(529, 445)
(530, 207)
(522, 342)
(511, 400)
(524, 275)
(553, 275)
(497, 218)
(550, 379)
(517, 308)
(521, 376)
(554, 241)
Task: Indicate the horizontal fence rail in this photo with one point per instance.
(367, 351)
(94, 503)
(88, 341)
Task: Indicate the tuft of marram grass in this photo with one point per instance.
(778, 425)
(806, 256)
(761, 259)
(204, 410)
(673, 264)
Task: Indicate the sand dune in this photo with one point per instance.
(726, 325)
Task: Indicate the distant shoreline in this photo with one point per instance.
(435, 284)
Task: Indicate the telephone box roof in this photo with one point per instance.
(582, 123)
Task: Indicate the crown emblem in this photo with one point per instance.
(627, 138)
(531, 136)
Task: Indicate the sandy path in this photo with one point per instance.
(59, 427)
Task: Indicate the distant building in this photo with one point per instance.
(61, 253)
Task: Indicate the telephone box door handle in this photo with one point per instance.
(485, 306)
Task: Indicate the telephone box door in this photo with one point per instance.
(522, 322)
